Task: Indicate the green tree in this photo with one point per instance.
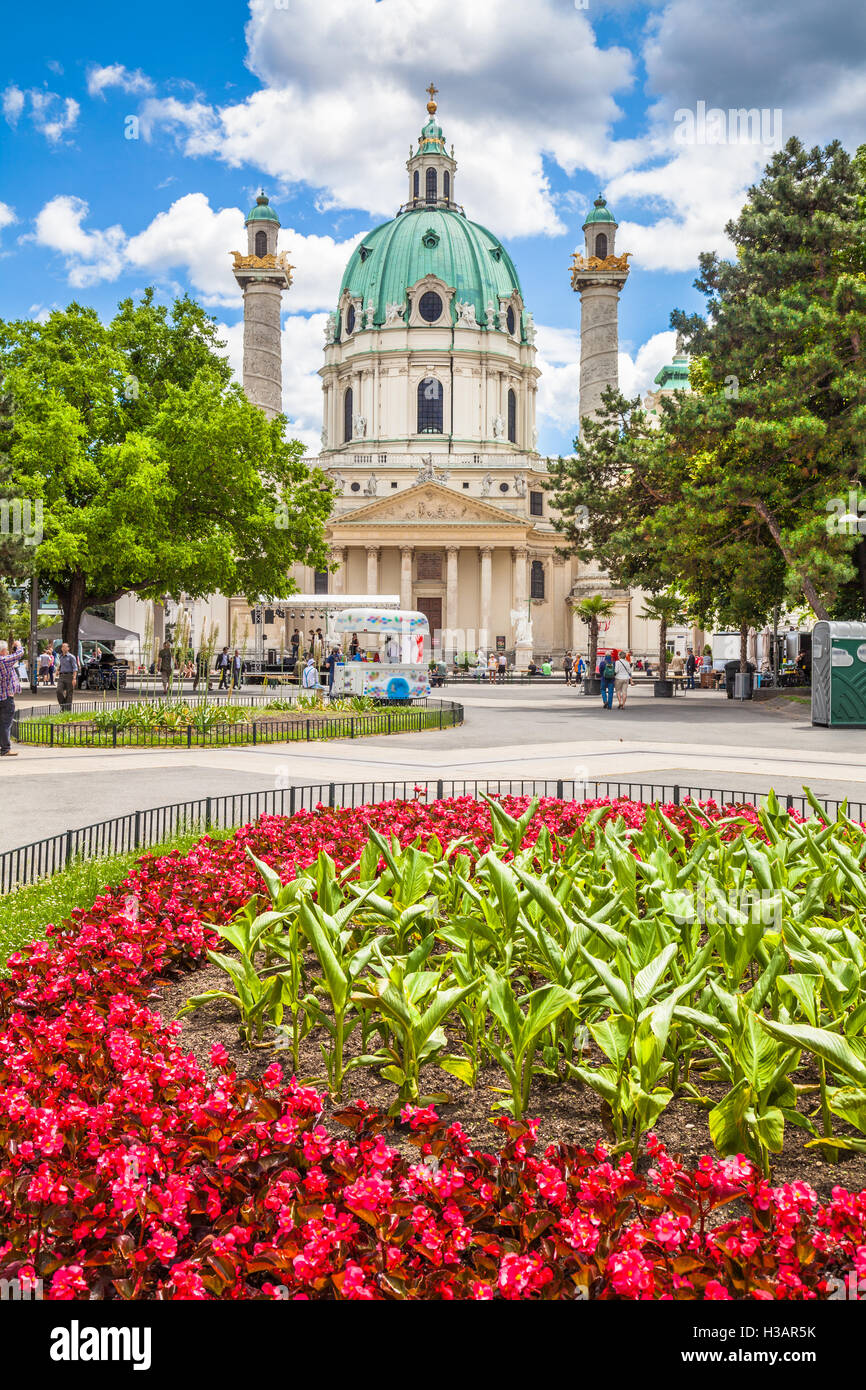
(155, 472)
(776, 429)
(591, 610)
(664, 609)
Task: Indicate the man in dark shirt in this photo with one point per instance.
(67, 676)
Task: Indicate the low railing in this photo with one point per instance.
(397, 719)
(140, 829)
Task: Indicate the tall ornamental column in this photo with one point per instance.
(406, 576)
(486, 553)
(372, 569)
(598, 277)
(263, 276)
(452, 553)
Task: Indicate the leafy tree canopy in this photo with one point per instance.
(155, 472)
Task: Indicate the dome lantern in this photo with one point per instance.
(431, 168)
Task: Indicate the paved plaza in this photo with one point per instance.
(512, 732)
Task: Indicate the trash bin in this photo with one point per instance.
(839, 674)
(742, 685)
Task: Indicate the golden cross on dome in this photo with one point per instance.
(432, 92)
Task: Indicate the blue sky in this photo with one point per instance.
(319, 99)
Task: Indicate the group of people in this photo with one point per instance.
(14, 662)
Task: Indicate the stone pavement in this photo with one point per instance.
(700, 739)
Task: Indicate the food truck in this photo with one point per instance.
(391, 663)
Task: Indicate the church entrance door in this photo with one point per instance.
(432, 610)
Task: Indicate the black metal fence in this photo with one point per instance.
(141, 829)
(411, 717)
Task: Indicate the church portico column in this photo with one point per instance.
(561, 634)
(522, 640)
(486, 553)
(372, 569)
(452, 554)
(338, 554)
(406, 552)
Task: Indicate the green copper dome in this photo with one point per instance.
(674, 376)
(262, 212)
(600, 212)
(430, 241)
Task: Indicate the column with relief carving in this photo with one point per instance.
(561, 636)
(406, 576)
(486, 553)
(372, 569)
(522, 621)
(452, 553)
(338, 555)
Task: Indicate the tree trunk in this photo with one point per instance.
(810, 593)
(744, 646)
(663, 649)
(861, 570)
(593, 645)
(73, 601)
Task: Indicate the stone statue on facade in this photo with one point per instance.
(503, 316)
(359, 426)
(368, 318)
(371, 486)
(324, 436)
(489, 318)
(522, 628)
(498, 427)
(339, 483)
(529, 329)
(394, 314)
(486, 484)
(330, 328)
(466, 314)
(427, 473)
(520, 484)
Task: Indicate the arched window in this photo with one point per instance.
(536, 582)
(429, 406)
(601, 245)
(512, 417)
(416, 184)
(347, 416)
(431, 185)
(261, 243)
(446, 186)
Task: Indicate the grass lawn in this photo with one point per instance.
(27, 911)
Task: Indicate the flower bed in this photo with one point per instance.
(129, 1169)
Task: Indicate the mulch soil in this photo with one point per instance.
(569, 1111)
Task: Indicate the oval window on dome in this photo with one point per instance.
(510, 320)
(430, 306)
(350, 319)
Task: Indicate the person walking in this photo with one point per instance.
(492, 668)
(579, 670)
(332, 661)
(237, 670)
(46, 662)
(10, 686)
(67, 676)
(607, 672)
(691, 666)
(165, 664)
(223, 665)
(622, 678)
(568, 667)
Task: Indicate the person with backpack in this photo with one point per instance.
(622, 678)
(607, 671)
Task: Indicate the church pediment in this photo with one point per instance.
(425, 503)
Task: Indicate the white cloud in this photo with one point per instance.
(517, 82)
(51, 114)
(302, 344)
(193, 238)
(99, 79)
(90, 256)
(559, 384)
(13, 104)
(6, 215)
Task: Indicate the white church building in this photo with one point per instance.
(429, 386)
